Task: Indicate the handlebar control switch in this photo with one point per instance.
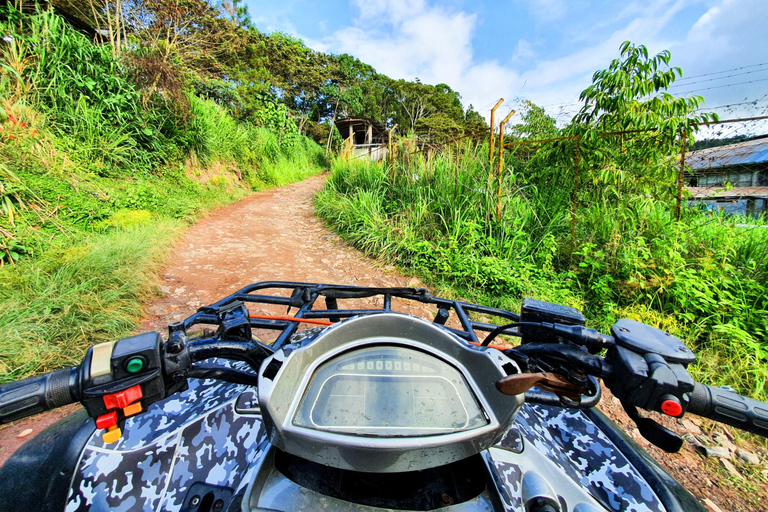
(120, 379)
(644, 339)
(650, 368)
(671, 406)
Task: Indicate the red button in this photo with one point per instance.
(123, 398)
(107, 420)
(671, 407)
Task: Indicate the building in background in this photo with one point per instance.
(368, 137)
(733, 178)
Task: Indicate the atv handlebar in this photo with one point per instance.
(37, 394)
(725, 406)
(643, 366)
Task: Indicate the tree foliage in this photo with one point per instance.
(632, 128)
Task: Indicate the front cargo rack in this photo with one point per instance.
(303, 297)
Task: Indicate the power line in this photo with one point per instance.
(718, 78)
(726, 85)
(678, 84)
(752, 102)
(721, 72)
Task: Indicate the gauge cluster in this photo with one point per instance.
(388, 391)
(385, 393)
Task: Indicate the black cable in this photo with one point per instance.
(501, 329)
(721, 72)
(677, 84)
(720, 86)
(570, 354)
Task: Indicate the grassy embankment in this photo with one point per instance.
(96, 182)
(701, 278)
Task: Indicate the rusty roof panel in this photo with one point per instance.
(725, 193)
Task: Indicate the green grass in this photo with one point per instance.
(56, 306)
(96, 184)
(702, 278)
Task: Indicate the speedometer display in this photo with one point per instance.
(388, 391)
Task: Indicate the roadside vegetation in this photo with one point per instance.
(121, 122)
(99, 175)
(611, 246)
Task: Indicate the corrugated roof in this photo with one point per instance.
(749, 152)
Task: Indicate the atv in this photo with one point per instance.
(368, 409)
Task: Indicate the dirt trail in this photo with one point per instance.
(274, 235)
(270, 236)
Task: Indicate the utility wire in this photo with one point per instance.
(721, 72)
(676, 84)
(726, 85)
(752, 102)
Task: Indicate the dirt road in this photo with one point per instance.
(274, 235)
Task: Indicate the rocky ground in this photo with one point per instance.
(274, 235)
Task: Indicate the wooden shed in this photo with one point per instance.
(369, 137)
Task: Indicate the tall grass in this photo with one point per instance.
(96, 182)
(703, 278)
(57, 306)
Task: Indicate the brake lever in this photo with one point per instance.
(520, 383)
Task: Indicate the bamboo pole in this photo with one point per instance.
(501, 163)
(391, 153)
(680, 176)
(575, 192)
(490, 140)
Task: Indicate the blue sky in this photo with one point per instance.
(542, 50)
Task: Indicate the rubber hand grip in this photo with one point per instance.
(37, 394)
(727, 407)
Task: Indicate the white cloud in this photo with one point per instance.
(409, 39)
(523, 51)
(544, 11)
(729, 35)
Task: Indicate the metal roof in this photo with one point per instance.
(749, 152)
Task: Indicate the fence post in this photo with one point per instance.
(490, 140)
(680, 176)
(574, 201)
(501, 163)
(391, 154)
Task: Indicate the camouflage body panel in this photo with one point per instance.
(581, 451)
(194, 436)
(198, 436)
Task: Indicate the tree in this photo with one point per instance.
(299, 76)
(474, 123)
(536, 125)
(437, 128)
(630, 98)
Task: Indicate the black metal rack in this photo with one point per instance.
(303, 297)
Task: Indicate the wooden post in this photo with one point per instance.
(490, 139)
(391, 154)
(575, 191)
(680, 176)
(501, 163)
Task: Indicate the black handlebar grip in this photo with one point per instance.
(727, 407)
(37, 394)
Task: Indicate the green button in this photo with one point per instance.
(134, 365)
